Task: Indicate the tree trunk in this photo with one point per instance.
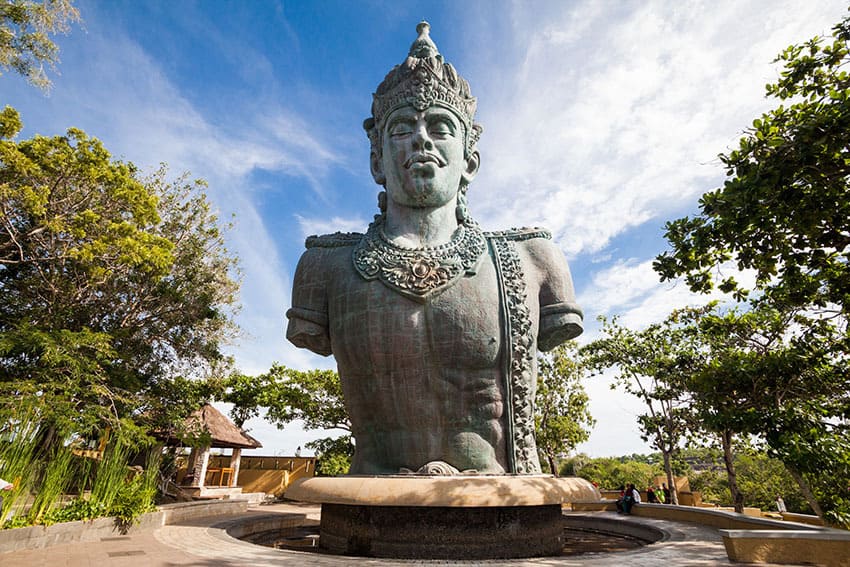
(553, 468)
(805, 489)
(47, 439)
(671, 482)
(728, 460)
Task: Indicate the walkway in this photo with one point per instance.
(202, 544)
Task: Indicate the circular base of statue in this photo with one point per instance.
(453, 517)
(408, 532)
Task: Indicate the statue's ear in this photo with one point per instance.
(377, 169)
(472, 164)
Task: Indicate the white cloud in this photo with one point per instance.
(311, 226)
(618, 115)
(616, 414)
(631, 290)
(620, 287)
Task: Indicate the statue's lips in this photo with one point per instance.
(423, 158)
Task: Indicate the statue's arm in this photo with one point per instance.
(560, 316)
(308, 316)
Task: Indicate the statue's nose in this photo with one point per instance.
(421, 139)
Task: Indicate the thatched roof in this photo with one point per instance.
(223, 432)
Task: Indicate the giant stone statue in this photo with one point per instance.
(434, 323)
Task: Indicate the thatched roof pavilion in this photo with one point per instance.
(223, 434)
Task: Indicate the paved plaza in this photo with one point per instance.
(204, 543)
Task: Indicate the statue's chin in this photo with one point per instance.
(426, 195)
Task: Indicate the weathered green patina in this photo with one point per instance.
(434, 323)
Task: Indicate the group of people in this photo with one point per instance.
(629, 496)
(658, 495)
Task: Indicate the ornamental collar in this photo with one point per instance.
(418, 273)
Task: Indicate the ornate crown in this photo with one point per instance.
(424, 79)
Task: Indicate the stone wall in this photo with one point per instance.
(37, 537)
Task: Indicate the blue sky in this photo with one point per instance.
(602, 120)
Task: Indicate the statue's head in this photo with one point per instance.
(422, 130)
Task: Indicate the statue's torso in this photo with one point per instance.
(422, 379)
(448, 375)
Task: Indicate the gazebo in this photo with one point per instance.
(207, 481)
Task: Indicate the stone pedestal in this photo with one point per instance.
(440, 532)
(457, 517)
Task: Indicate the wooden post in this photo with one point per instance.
(202, 460)
(235, 460)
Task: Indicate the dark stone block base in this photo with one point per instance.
(411, 532)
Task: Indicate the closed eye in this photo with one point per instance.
(401, 128)
(441, 128)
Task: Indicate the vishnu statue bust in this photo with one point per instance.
(434, 323)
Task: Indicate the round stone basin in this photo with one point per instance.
(450, 517)
(581, 533)
(442, 517)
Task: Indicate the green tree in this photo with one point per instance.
(784, 213)
(246, 393)
(761, 477)
(647, 363)
(114, 285)
(784, 210)
(764, 478)
(333, 455)
(313, 397)
(609, 473)
(754, 378)
(562, 416)
(25, 27)
(704, 366)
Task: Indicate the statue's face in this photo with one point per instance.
(423, 157)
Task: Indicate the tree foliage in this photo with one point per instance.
(784, 210)
(609, 473)
(313, 397)
(114, 285)
(648, 366)
(774, 375)
(246, 393)
(333, 455)
(25, 27)
(761, 477)
(562, 416)
(784, 213)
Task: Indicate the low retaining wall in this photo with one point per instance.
(619, 526)
(817, 547)
(182, 511)
(595, 506)
(686, 497)
(714, 518)
(761, 540)
(38, 537)
(802, 518)
(253, 527)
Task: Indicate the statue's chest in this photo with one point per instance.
(378, 330)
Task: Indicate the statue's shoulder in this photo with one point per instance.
(520, 234)
(535, 244)
(335, 240)
(326, 254)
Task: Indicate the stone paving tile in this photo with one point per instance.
(202, 544)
